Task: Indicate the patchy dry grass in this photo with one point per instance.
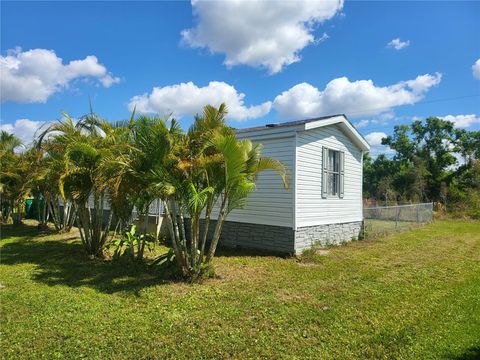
(410, 295)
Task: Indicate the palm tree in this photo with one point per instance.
(83, 147)
(14, 184)
(241, 163)
(49, 165)
(209, 168)
(9, 142)
(146, 147)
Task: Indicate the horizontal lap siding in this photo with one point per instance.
(270, 203)
(311, 208)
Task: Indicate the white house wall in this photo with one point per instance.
(311, 208)
(270, 203)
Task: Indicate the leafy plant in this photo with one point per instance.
(130, 244)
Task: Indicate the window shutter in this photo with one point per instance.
(342, 173)
(324, 171)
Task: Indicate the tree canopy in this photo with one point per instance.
(432, 161)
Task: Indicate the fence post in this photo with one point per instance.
(396, 218)
(418, 218)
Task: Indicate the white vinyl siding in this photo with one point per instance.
(270, 203)
(312, 207)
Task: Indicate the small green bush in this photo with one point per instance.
(131, 245)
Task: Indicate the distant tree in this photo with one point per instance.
(467, 144)
(378, 178)
(429, 144)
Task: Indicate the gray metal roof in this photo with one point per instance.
(285, 124)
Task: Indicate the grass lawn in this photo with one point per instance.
(410, 295)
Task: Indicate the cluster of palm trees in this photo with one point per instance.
(200, 176)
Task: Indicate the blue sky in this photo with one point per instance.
(381, 63)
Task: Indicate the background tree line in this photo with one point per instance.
(433, 161)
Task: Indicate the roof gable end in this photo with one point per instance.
(290, 128)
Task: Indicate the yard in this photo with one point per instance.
(409, 295)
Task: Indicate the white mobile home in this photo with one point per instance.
(324, 201)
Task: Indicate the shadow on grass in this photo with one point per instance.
(28, 230)
(472, 353)
(64, 262)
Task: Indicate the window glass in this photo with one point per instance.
(333, 172)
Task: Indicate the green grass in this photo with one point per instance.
(410, 295)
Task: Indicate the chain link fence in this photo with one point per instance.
(383, 220)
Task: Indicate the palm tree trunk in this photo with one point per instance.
(208, 213)
(72, 216)
(106, 231)
(218, 229)
(84, 226)
(196, 237)
(67, 209)
(181, 242)
(181, 225)
(56, 221)
(145, 228)
(178, 254)
(40, 215)
(81, 231)
(115, 230)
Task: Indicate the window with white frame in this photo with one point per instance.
(333, 173)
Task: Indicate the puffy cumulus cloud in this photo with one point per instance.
(360, 97)
(398, 44)
(476, 69)
(375, 138)
(189, 99)
(24, 129)
(462, 121)
(34, 75)
(258, 33)
(376, 147)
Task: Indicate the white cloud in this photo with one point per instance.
(24, 129)
(34, 75)
(362, 123)
(375, 138)
(353, 98)
(462, 121)
(323, 38)
(476, 69)
(189, 99)
(258, 33)
(387, 116)
(398, 44)
(376, 147)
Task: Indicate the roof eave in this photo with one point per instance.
(347, 125)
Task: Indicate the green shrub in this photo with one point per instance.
(131, 245)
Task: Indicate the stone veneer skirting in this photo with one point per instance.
(328, 234)
(278, 239)
(283, 239)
